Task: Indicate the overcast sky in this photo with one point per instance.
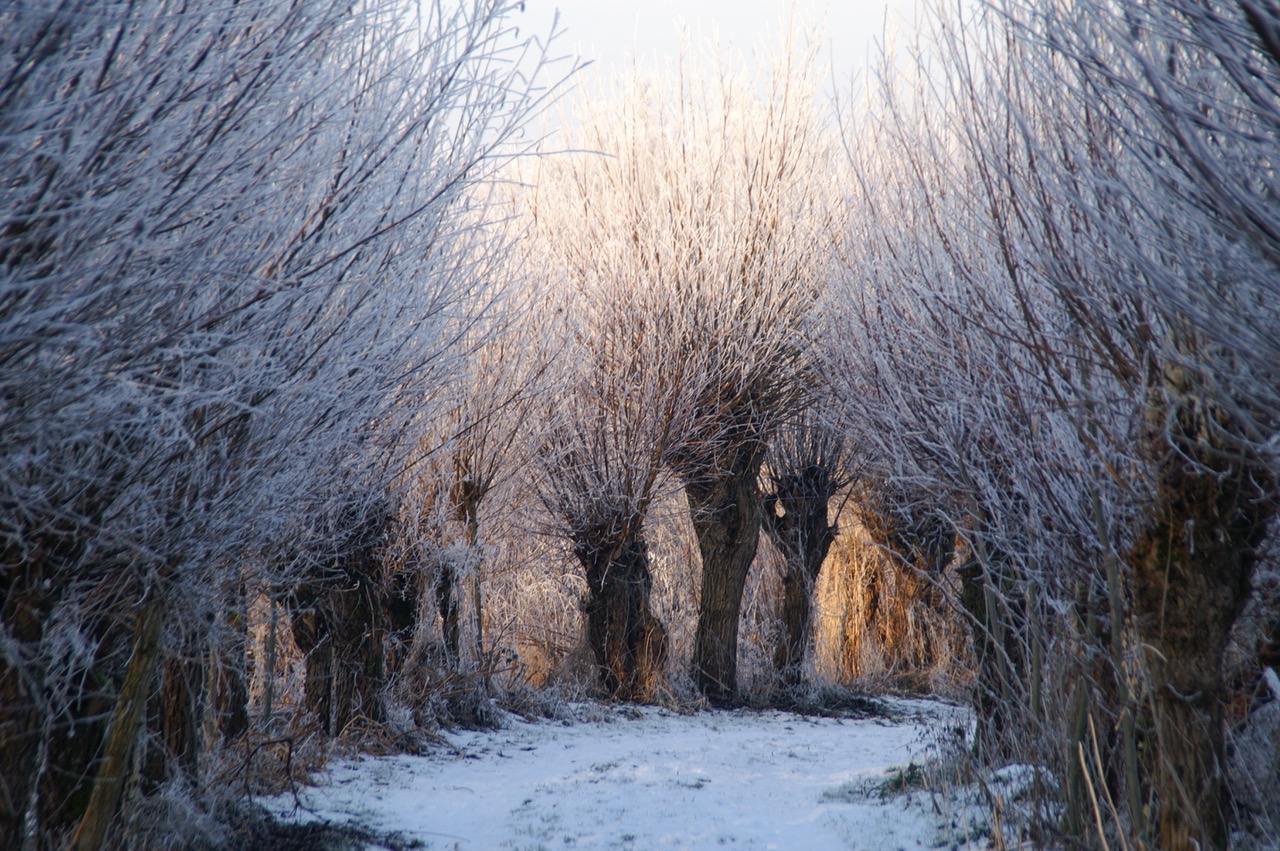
(609, 31)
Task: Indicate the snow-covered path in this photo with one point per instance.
(648, 778)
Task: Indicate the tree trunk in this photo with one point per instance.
(48, 762)
(24, 606)
(795, 518)
(358, 629)
(20, 734)
(340, 621)
(1192, 570)
(997, 625)
(628, 641)
(229, 661)
(177, 713)
(311, 634)
(122, 731)
(182, 699)
(797, 614)
(49, 741)
(341, 636)
(448, 601)
(468, 492)
(726, 514)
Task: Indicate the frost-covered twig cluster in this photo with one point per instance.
(236, 246)
(686, 246)
(314, 405)
(1061, 281)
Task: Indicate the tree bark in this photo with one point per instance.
(341, 636)
(628, 641)
(182, 698)
(311, 634)
(49, 743)
(726, 513)
(230, 667)
(24, 606)
(448, 600)
(795, 518)
(797, 615)
(997, 625)
(358, 628)
(122, 731)
(1192, 570)
(340, 621)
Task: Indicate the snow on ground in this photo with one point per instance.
(652, 778)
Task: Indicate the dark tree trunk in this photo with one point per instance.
(797, 614)
(49, 744)
(1192, 570)
(206, 673)
(449, 579)
(467, 494)
(311, 635)
(128, 713)
(20, 733)
(726, 513)
(358, 629)
(341, 634)
(449, 602)
(182, 695)
(230, 674)
(25, 607)
(795, 518)
(997, 624)
(403, 603)
(73, 749)
(340, 621)
(628, 641)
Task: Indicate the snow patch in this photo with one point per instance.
(649, 778)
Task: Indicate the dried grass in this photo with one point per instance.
(882, 626)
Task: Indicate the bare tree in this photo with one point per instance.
(617, 411)
(1188, 210)
(806, 467)
(976, 402)
(703, 224)
(226, 266)
(1072, 248)
(474, 452)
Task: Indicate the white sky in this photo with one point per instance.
(612, 31)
